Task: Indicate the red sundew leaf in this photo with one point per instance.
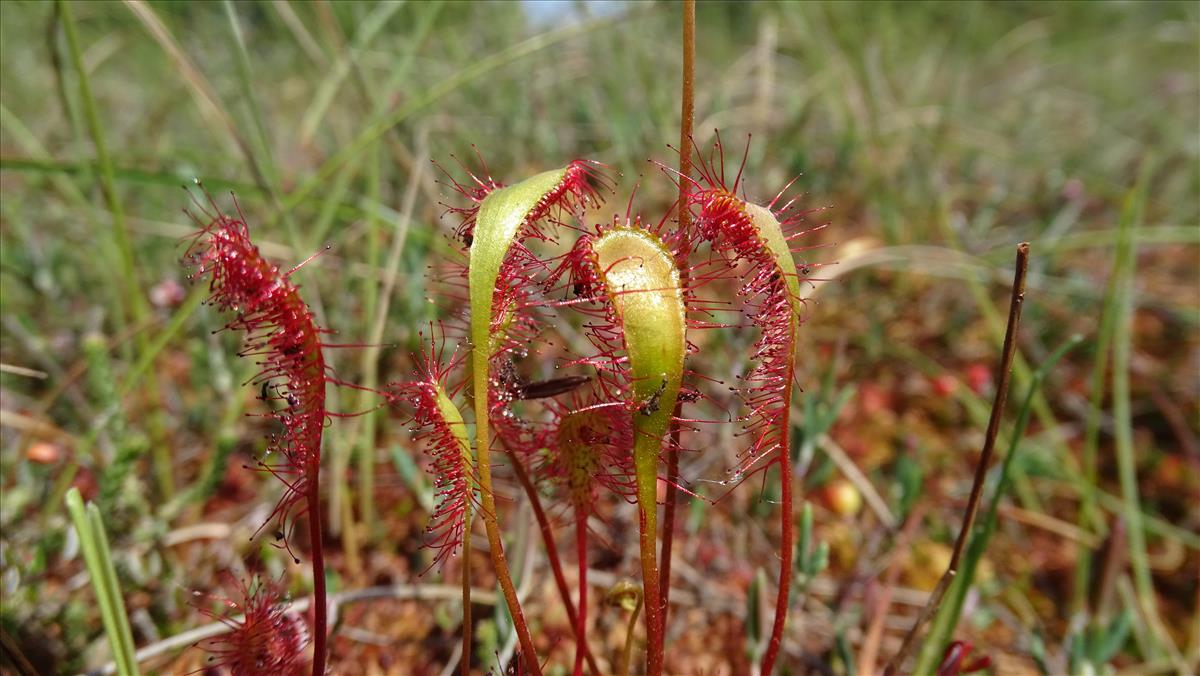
(590, 448)
(263, 637)
(283, 335)
(758, 239)
(438, 426)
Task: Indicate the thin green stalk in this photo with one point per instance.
(137, 308)
(1123, 418)
(246, 82)
(946, 620)
(364, 441)
(94, 544)
(1089, 516)
(627, 652)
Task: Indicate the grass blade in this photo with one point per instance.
(94, 544)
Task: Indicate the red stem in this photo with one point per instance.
(318, 566)
(648, 529)
(687, 113)
(465, 580)
(785, 535)
(547, 531)
(581, 555)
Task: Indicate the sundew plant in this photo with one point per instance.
(613, 422)
(504, 338)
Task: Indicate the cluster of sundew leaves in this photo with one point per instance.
(263, 635)
(628, 276)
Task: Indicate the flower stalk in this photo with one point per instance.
(687, 100)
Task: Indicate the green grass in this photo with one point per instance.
(965, 126)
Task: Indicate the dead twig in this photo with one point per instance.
(1003, 376)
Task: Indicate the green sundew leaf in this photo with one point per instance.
(772, 235)
(500, 217)
(643, 285)
(497, 225)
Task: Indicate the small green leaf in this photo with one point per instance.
(1113, 639)
(96, 554)
(818, 560)
(806, 524)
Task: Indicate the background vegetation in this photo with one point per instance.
(938, 134)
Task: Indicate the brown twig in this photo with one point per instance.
(1003, 376)
(687, 113)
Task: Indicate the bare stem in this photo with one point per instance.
(547, 532)
(687, 113)
(785, 525)
(581, 556)
(646, 453)
(490, 522)
(320, 607)
(1004, 374)
(466, 593)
